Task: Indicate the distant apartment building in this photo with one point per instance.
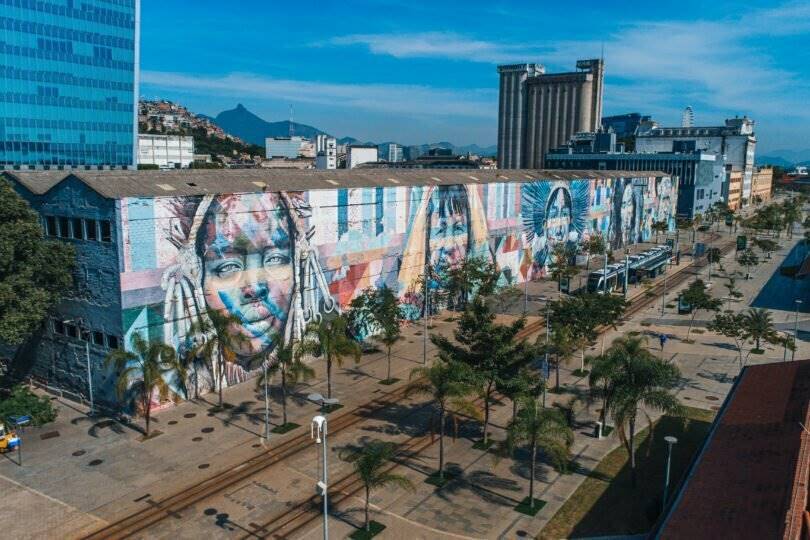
(357, 154)
(701, 175)
(735, 140)
(165, 151)
(283, 147)
(69, 83)
(326, 148)
(762, 184)
(539, 111)
(391, 152)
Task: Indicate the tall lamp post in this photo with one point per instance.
(795, 332)
(670, 442)
(318, 432)
(266, 405)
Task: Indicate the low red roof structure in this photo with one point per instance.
(750, 479)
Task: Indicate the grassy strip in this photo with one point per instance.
(606, 502)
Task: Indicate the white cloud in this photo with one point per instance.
(411, 100)
(719, 66)
(447, 45)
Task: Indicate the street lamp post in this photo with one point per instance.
(795, 332)
(664, 295)
(318, 432)
(670, 442)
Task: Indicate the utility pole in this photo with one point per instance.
(664, 296)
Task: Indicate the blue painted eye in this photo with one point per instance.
(228, 268)
(272, 258)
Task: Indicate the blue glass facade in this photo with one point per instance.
(68, 82)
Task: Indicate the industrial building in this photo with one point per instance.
(69, 88)
(165, 151)
(325, 152)
(157, 249)
(735, 141)
(539, 111)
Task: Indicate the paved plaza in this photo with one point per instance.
(81, 472)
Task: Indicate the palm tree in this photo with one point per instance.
(543, 429)
(758, 325)
(562, 346)
(144, 371)
(218, 342)
(328, 338)
(370, 465)
(603, 372)
(289, 365)
(448, 386)
(641, 382)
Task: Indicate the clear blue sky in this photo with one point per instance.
(416, 71)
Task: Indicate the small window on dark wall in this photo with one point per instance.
(50, 226)
(71, 331)
(64, 227)
(78, 230)
(90, 227)
(112, 342)
(98, 338)
(58, 327)
(106, 231)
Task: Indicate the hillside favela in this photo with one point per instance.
(404, 270)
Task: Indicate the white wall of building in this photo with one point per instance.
(360, 154)
(165, 151)
(327, 152)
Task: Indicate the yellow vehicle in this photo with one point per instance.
(8, 439)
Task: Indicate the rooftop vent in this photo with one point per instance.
(166, 187)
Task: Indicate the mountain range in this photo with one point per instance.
(785, 158)
(253, 129)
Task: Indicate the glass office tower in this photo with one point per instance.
(68, 83)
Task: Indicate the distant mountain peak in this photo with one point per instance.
(250, 127)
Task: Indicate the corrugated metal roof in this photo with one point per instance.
(118, 184)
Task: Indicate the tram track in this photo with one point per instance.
(301, 514)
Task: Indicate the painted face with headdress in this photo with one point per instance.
(448, 215)
(558, 217)
(246, 247)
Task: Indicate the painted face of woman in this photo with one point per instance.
(248, 270)
(448, 230)
(627, 214)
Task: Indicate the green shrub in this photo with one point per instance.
(23, 401)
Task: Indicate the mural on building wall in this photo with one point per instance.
(280, 260)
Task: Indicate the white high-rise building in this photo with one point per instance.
(688, 117)
(165, 151)
(326, 152)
